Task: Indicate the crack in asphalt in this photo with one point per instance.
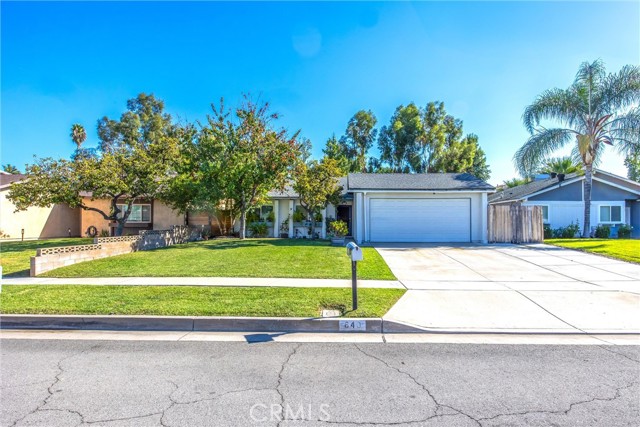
(279, 384)
(424, 387)
(616, 395)
(51, 392)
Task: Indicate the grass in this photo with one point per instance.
(15, 256)
(297, 258)
(192, 300)
(624, 249)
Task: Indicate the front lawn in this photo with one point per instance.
(624, 249)
(236, 258)
(15, 256)
(193, 300)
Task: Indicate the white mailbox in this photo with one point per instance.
(354, 252)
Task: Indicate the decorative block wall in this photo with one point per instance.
(48, 259)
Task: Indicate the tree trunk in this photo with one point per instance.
(120, 227)
(586, 231)
(243, 223)
(313, 227)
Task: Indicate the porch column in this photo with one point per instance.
(484, 224)
(291, 208)
(276, 219)
(323, 233)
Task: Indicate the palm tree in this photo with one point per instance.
(565, 165)
(78, 134)
(597, 109)
(9, 168)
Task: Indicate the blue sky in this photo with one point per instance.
(317, 63)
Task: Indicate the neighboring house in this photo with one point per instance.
(37, 223)
(433, 207)
(614, 200)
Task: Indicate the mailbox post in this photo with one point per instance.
(355, 253)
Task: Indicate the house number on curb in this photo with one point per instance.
(353, 325)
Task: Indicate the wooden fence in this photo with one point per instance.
(515, 223)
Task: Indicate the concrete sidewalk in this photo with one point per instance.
(203, 281)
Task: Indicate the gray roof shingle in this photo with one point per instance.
(517, 193)
(417, 182)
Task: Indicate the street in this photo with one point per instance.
(151, 383)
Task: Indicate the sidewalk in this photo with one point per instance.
(203, 281)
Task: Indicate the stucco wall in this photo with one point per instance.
(90, 218)
(38, 223)
(164, 217)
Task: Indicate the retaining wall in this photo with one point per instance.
(47, 259)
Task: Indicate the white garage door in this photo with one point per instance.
(420, 220)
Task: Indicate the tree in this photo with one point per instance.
(598, 109)
(318, 186)
(564, 165)
(9, 168)
(632, 162)
(515, 182)
(133, 162)
(358, 139)
(480, 168)
(399, 141)
(336, 151)
(78, 134)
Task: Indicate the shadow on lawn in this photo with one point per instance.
(222, 244)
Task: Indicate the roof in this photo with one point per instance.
(523, 191)
(8, 178)
(417, 182)
(290, 193)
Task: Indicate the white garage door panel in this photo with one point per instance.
(420, 220)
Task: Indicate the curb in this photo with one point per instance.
(191, 323)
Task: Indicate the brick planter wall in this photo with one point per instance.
(103, 247)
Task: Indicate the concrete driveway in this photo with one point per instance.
(512, 288)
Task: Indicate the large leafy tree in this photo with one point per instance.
(133, 160)
(598, 109)
(632, 162)
(317, 185)
(358, 139)
(336, 151)
(399, 142)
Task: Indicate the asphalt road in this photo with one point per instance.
(135, 383)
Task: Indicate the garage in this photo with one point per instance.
(420, 219)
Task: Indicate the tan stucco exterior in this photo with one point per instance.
(164, 217)
(38, 223)
(91, 218)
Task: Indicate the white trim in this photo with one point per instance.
(139, 204)
(422, 191)
(616, 185)
(622, 178)
(555, 187)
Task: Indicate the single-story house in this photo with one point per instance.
(614, 200)
(433, 207)
(34, 223)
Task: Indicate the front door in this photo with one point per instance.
(343, 213)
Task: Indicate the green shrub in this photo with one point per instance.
(253, 215)
(258, 229)
(298, 215)
(624, 231)
(271, 217)
(548, 232)
(318, 217)
(602, 231)
(104, 233)
(568, 232)
(338, 228)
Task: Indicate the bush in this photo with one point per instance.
(104, 233)
(548, 232)
(338, 228)
(298, 215)
(318, 217)
(271, 217)
(602, 231)
(624, 231)
(258, 229)
(568, 232)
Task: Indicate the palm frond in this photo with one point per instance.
(539, 146)
(619, 90)
(625, 131)
(554, 104)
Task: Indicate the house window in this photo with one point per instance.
(265, 212)
(610, 214)
(545, 214)
(139, 213)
